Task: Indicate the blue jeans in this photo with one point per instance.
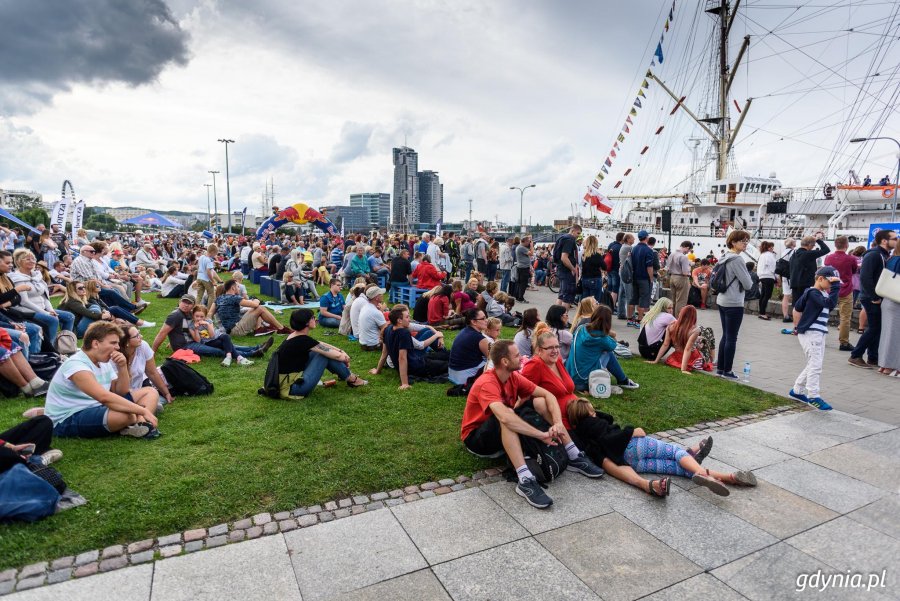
(610, 363)
(592, 287)
(613, 282)
(123, 314)
(539, 276)
(624, 298)
(114, 299)
(468, 268)
(313, 371)
(504, 280)
(566, 285)
(220, 346)
(731, 318)
(871, 338)
(245, 268)
(35, 335)
(329, 322)
(62, 319)
(82, 326)
(87, 423)
(491, 271)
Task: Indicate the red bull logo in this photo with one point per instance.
(289, 214)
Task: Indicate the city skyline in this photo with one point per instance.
(494, 94)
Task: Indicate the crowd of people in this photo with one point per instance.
(516, 389)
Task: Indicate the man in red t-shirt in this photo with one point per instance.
(490, 424)
(846, 266)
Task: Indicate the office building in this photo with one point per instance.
(406, 187)
(431, 197)
(354, 220)
(378, 204)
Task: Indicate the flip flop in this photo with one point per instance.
(705, 447)
(712, 484)
(663, 485)
(743, 478)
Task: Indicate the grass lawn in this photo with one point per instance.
(234, 454)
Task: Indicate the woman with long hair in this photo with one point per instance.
(583, 312)
(593, 347)
(174, 282)
(420, 311)
(682, 335)
(592, 269)
(654, 326)
(765, 270)
(624, 452)
(141, 365)
(440, 313)
(15, 322)
(462, 301)
(49, 250)
(92, 290)
(76, 302)
(530, 318)
(558, 319)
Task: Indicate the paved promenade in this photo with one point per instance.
(827, 504)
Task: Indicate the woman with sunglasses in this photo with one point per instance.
(547, 370)
(75, 301)
(37, 296)
(141, 365)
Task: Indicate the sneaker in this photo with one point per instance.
(51, 456)
(148, 324)
(40, 390)
(729, 375)
(283, 330)
(858, 362)
(264, 331)
(787, 319)
(226, 362)
(140, 308)
(265, 346)
(352, 338)
(622, 317)
(585, 466)
(796, 395)
(241, 360)
(533, 493)
(819, 403)
(846, 347)
(138, 430)
(629, 384)
(633, 324)
(615, 390)
(872, 363)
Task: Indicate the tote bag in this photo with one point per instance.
(888, 285)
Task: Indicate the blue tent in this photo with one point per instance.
(153, 219)
(14, 219)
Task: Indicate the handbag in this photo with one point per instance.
(888, 285)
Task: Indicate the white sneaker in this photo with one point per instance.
(51, 456)
(148, 324)
(226, 362)
(138, 430)
(241, 360)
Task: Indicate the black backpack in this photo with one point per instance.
(783, 265)
(557, 250)
(627, 272)
(184, 380)
(545, 462)
(718, 279)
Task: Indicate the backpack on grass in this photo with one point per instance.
(184, 380)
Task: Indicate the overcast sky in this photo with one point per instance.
(127, 99)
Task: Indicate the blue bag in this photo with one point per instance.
(25, 496)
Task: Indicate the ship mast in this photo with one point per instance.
(718, 127)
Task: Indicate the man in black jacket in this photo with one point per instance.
(803, 264)
(872, 266)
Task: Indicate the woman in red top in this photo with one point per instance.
(462, 302)
(547, 370)
(439, 312)
(426, 273)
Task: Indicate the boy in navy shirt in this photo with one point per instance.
(811, 322)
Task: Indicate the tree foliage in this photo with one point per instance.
(34, 216)
(102, 222)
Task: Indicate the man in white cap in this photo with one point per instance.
(371, 320)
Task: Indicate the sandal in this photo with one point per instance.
(742, 478)
(705, 447)
(765, 317)
(663, 488)
(711, 483)
(356, 382)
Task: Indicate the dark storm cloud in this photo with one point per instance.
(49, 45)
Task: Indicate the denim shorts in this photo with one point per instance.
(566, 286)
(87, 423)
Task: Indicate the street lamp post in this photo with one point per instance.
(208, 215)
(896, 177)
(227, 181)
(215, 201)
(522, 205)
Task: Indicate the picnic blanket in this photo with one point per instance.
(273, 306)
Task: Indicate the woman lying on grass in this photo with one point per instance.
(625, 452)
(300, 352)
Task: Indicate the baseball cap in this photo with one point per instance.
(642, 235)
(188, 299)
(375, 292)
(827, 272)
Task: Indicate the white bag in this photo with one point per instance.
(888, 285)
(600, 384)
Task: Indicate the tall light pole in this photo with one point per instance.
(227, 182)
(896, 178)
(522, 204)
(215, 201)
(208, 215)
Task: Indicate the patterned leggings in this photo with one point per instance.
(649, 455)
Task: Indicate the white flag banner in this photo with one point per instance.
(439, 225)
(77, 217)
(60, 213)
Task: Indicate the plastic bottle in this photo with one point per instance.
(746, 372)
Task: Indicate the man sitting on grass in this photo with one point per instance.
(228, 305)
(491, 424)
(331, 306)
(406, 352)
(89, 396)
(371, 319)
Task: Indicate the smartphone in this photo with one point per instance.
(27, 451)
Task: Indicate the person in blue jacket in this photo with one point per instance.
(593, 348)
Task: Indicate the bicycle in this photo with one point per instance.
(552, 278)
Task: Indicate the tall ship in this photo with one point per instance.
(713, 196)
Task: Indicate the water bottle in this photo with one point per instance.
(746, 372)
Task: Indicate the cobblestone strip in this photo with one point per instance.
(262, 524)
